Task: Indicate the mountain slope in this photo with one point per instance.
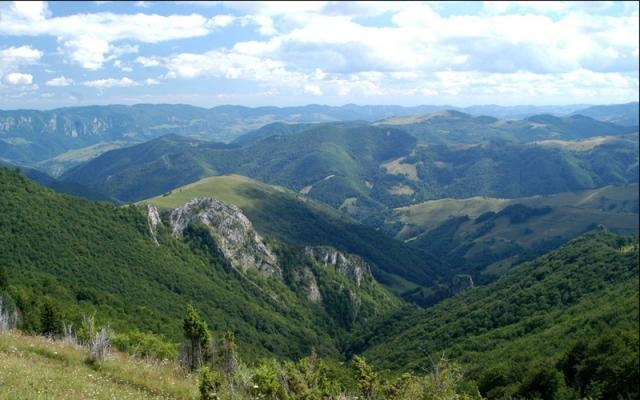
(364, 170)
(621, 114)
(85, 258)
(486, 236)
(454, 127)
(281, 214)
(527, 321)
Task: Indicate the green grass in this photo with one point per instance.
(613, 206)
(228, 188)
(39, 368)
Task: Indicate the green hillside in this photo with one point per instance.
(79, 258)
(486, 236)
(564, 326)
(280, 213)
(454, 127)
(364, 170)
(621, 114)
(39, 368)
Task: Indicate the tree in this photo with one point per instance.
(365, 376)
(197, 335)
(50, 319)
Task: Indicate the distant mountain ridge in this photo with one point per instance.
(363, 169)
(34, 136)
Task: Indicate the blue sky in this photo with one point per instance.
(55, 54)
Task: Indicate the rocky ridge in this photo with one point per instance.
(234, 234)
(349, 265)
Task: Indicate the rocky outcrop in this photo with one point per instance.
(350, 265)
(311, 286)
(241, 245)
(153, 220)
(459, 283)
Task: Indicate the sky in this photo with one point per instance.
(55, 54)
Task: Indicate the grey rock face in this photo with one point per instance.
(460, 282)
(348, 264)
(239, 242)
(311, 286)
(153, 220)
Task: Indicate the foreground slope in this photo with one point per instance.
(39, 368)
(528, 322)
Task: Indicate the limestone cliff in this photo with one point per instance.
(153, 220)
(241, 245)
(350, 265)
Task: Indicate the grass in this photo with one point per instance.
(228, 188)
(612, 206)
(40, 368)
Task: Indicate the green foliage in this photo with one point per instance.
(195, 329)
(604, 368)
(144, 345)
(559, 318)
(50, 319)
(366, 378)
(99, 259)
(210, 384)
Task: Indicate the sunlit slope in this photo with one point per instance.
(614, 206)
(38, 368)
(289, 217)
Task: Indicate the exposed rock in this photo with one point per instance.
(313, 291)
(239, 242)
(350, 265)
(153, 220)
(459, 283)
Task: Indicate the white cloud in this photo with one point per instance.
(59, 81)
(18, 79)
(86, 39)
(13, 58)
(121, 66)
(111, 82)
(151, 82)
(148, 62)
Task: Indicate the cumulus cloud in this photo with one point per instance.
(122, 82)
(350, 49)
(111, 82)
(15, 57)
(59, 81)
(148, 62)
(86, 39)
(18, 79)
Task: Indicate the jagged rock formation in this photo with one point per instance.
(311, 286)
(241, 245)
(348, 264)
(153, 219)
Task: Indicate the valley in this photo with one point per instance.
(398, 240)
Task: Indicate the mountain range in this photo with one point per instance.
(500, 241)
(57, 139)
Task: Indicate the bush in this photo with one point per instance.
(210, 384)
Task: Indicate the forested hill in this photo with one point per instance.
(78, 258)
(562, 326)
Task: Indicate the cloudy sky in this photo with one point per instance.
(294, 53)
